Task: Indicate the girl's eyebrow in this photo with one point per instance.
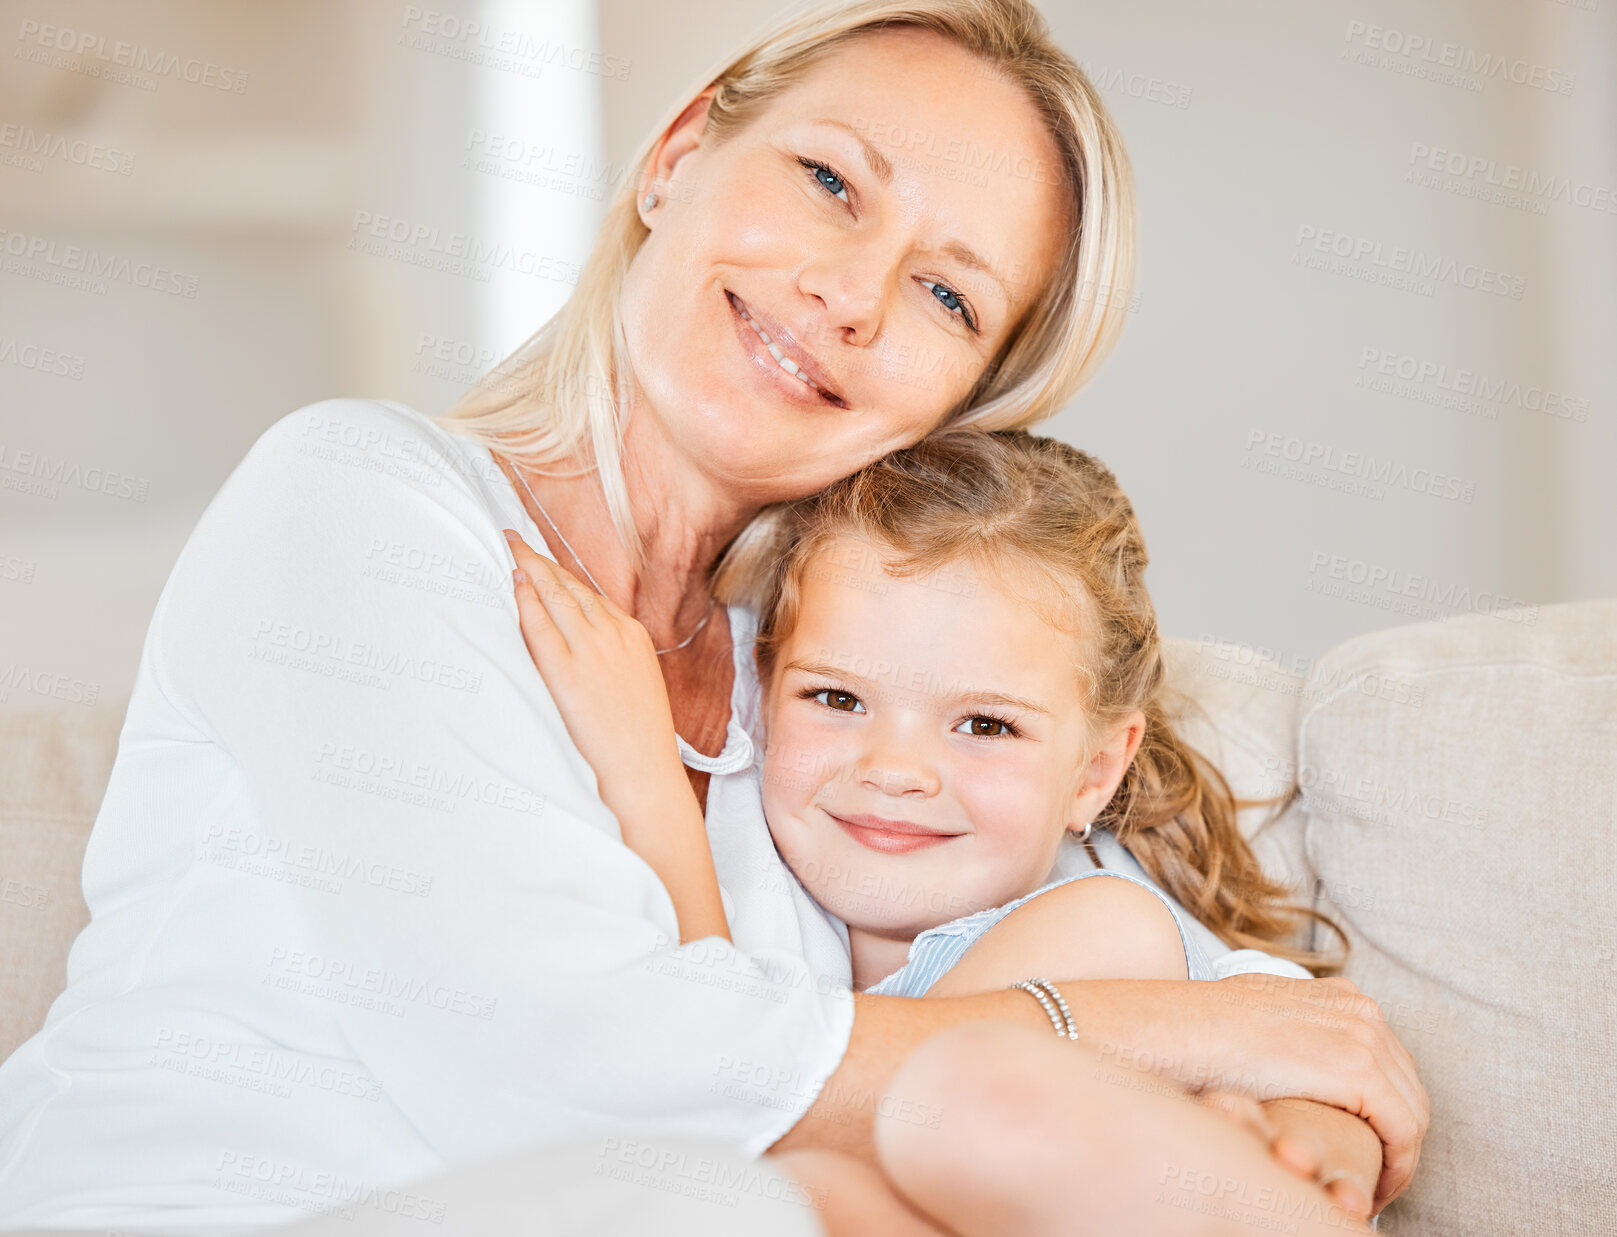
(825, 670)
(998, 698)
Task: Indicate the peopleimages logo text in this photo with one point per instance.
(1457, 56)
(1530, 181)
(133, 56)
(1413, 262)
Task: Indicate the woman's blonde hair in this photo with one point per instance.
(1012, 502)
(564, 391)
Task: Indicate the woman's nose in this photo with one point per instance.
(852, 283)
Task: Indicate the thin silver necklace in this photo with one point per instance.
(673, 648)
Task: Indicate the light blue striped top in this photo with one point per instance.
(937, 949)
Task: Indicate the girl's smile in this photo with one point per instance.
(895, 837)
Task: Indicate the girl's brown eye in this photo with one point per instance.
(978, 725)
(843, 702)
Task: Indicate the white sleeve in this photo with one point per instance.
(341, 626)
(1256, 962)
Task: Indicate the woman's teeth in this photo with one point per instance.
(781, 359)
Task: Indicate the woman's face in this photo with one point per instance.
(927, 743)
(885, 222)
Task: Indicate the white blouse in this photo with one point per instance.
(357, 909)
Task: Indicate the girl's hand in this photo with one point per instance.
(601, 668)
(1334, 1148)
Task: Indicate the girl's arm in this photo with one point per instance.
(602, 672)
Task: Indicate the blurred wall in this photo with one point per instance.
(1319, 441)
(278, 195)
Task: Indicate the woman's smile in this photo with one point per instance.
(782, 360)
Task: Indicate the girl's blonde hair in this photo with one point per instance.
(565, 391)
(1012, 502)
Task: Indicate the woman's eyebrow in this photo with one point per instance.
(968, 257)
(879, 164)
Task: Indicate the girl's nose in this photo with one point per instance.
(897, 768)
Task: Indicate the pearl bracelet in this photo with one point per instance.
(1051, 1000)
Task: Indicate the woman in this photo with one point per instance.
(358, 910)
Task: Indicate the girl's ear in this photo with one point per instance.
(1100, 777)
(682, 137)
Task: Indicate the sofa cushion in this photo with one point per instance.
(57, 759)
(1465, 834)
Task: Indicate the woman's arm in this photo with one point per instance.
(1258, 1035)
(601, 669)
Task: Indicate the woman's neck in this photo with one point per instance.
(683, 524)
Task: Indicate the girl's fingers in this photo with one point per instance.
(1301, 1153)
(1241, 1109)
(547, 644)
(569, 602)
(1348, 1195)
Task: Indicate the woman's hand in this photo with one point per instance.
(601, 668)
(1324, 1040)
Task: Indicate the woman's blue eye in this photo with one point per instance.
(950, 301)
(829, 180)
(946, 296)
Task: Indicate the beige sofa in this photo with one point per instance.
(1457, 815)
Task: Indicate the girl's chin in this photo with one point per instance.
(897, 916)
(883, 921)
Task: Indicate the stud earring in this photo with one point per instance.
(650, 201)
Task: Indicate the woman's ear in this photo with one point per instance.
(682, 137)
(1098, 781)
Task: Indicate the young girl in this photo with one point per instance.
(960, 667)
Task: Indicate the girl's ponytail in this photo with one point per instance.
(1176, 814)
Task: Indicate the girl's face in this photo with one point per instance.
(927, 742)
(886, 221)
